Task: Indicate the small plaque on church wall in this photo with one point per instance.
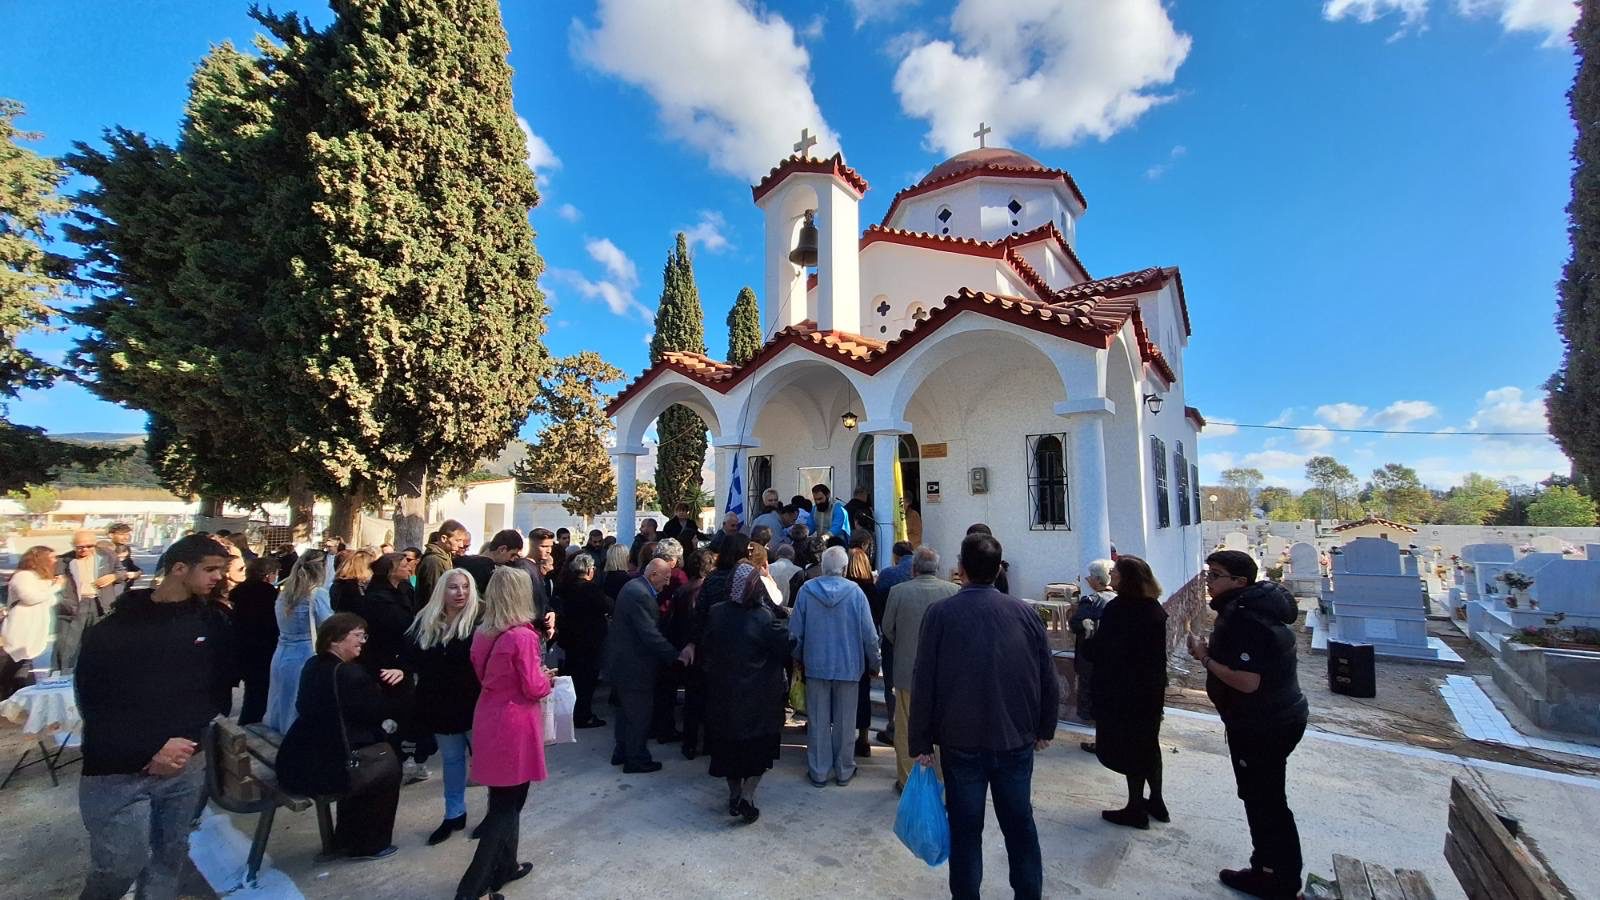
(931, 495)
(935, 451)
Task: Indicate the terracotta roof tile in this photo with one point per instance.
(1190, 412)
(1373, 520)
(833, 165)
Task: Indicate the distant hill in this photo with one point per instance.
(132, 471)
(112, 438)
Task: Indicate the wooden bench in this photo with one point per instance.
(1359, 880)
(241, 778)
(1484, 850)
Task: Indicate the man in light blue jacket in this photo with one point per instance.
(834, 642)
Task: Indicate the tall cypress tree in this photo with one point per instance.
(744, 328)
(1574, 403)
(680, 325)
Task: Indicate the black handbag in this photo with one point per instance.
(369, 767)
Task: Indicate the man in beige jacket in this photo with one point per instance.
(902, 626)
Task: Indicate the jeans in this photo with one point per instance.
(1008, 775)
(138, 831)
(453, 751)
(831, 728)
(496, 857)
(1260, 767)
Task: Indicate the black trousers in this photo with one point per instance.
(864, 702)
(495, 860)
(664, 717)
(633, 708)
(694, 709)
(1260, 767)
(584, 667)
(364, 824)
(257, 679)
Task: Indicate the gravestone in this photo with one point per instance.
(1305, 570)
(1548, 543)
(1374, 596)
(1236, 540)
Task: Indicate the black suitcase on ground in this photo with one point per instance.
(1352, 670)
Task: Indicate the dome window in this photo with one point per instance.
(944, 216)
(1016, 208)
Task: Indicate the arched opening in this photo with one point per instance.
(910, 469)
(1047, 482)
(1125, 452)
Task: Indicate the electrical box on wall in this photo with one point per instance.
(980, 480)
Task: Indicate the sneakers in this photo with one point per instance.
(385, 853)
(413, 772)
(1258, 883)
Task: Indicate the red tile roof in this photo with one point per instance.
(1373, 520)
(1194, 414)
(833, 165)
(938, 182)
(988, 249)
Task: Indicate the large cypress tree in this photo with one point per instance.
(744, 328)
(680, 325)
(423, 273)
(1574, 403)
(31, 278)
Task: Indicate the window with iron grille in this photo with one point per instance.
(1181, 467)
(1194, 485)
(1158, 462)
(1047, 482)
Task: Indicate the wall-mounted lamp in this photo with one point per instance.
(850, 421)
(1153, 403)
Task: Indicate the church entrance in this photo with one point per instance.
(910, 470)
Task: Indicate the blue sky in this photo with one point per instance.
(1365, 196)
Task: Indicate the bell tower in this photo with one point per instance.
(801, 197)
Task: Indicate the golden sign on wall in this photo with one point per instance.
(935, 451)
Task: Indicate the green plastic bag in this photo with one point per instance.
(797, 694)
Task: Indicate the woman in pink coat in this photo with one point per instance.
(507, 727)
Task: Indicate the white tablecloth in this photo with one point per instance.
(45, 707)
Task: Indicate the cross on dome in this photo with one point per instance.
(807, 141)
(983, 131)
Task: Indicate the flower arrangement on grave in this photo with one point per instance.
(1517, 584)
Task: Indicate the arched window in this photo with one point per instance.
(1158, 465)
(910, 466)
(1180, 468)
(1047, 481)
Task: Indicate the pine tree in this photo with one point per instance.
(680, 325)
(744, 328)
(31, 278)
(569, 457)
(1574, 403)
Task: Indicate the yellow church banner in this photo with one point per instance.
(899, 503)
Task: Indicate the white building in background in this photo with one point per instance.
(963, 335)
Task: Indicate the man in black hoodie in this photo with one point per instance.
(150, 679)
(1250, 677)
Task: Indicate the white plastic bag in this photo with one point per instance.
(557, 707)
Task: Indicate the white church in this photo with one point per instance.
(963, 334)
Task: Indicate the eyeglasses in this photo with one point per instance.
(1210, 575)
(83, 546)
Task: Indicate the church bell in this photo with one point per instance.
(805, 249)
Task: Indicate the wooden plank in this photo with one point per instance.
(1479, 878)
(1383, 883)
(1522, 873)
(269, 783)
(1352, 877)
(264, 733)
(1414, 884)
(260, 749)
(235, 763)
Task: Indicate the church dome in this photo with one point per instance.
(974, 159)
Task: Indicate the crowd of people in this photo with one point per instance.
(370, 661)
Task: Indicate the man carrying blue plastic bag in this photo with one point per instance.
(985, 693)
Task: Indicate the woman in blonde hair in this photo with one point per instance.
(859, 571)
(439, 651)
(507, 725)
(302, 607)
(355, 573)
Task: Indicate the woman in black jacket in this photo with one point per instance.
(1130, 685)
(718, 587)
(387, 607)
(355, 573)
(585, 613)
(743, 651)
(255, 634)
(341, 709)
(439, 651)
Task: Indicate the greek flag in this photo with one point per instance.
(736, 487)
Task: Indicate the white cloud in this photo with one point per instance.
(616, 289)
(1401, 413)
(1057, 71)
(878, 10)
(730, 81)
(707, 233)
(1280, 460)
(1155, 172)
(541, 159)
(1341, 415)
(1314, 438)
(1284, 417)
(1504, 409)
(814, 28)
(616, 263)
(1220, 428)
(568, 212)
(1553, 18)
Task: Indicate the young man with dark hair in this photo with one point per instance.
(1001, 583)
(149, 680)
(1251, 679)
(985, 693)
(859, 509)
(439, 556)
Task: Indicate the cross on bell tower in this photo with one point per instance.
(807, 141)
(983, 131)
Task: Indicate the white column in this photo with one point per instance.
(885, 450)
(724, 450)
(838, 260)
(627, 462)
(1086, 475)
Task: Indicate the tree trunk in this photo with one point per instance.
(302, 507)
(347, 508)
(411, 504)
(210, 509)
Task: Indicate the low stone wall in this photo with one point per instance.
(1186, 608)
(1557, 688)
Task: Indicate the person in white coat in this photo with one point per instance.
(31, 597)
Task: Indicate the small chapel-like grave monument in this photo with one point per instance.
(1374, 596)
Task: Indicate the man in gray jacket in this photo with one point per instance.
(634, 651)
(834, 642)
(90, 590)
(902, 628)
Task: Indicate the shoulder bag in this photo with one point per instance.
(368, 767)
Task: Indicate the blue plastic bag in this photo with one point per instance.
(921, 822)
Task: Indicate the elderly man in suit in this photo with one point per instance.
(902, 629)
(634, 651)
(92, 579)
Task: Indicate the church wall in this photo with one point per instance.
(1047, 260)
(908, 277)
(788, 439)
(917, 214)
(980, 208)
(1173, 552)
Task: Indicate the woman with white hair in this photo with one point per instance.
(439, 651)
(834, 643)
(1085, 619)
(585, 613)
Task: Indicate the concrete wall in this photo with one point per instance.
(1451, 537)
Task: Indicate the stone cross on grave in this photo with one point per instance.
(807, 141)
(983, 131)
